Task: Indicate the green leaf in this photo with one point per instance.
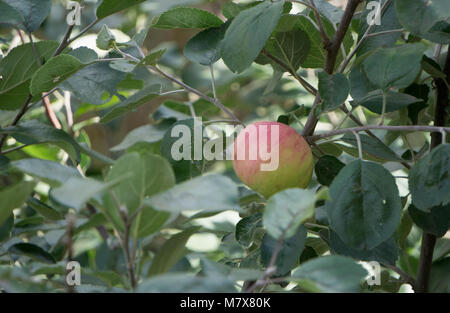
(148, 175)
(44, 209)
(50, 172)
(365, 206)
(330, 274)
(291, 47)
(12, 197)
(386, 252)
(436, 221)
(388, 22)
(327, 168)
(246, 227)
(248, 33)
(95, 83)
(33, 132)
(86, 188)
(153, 58)
(204, 47)
(360, 85)
(32, 251)
(131, 103)
(54, 72)
(187, 283)
(331, 12)
(147, 133)
(333, 90)
(394, 101)
(9, 15)
(372, 147)
(109, 7)
(289, 253)
(420, 92)
(419, 16)
(84, 54)
(17, 68)
(231, 9)
(429, 181)
(171, 252)
(34, 12)
(186, 18)
(286, 210)
(394, 67)
(209, 193)
(105, 38)
(6, 227)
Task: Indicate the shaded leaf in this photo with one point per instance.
(186, 18)
(326, 169)
(32, 251)
(333, 90)
(109, 7)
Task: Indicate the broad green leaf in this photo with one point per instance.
(75, 192)
(84, 54)
(429, 181)
(286, 210)
(12, 197)
(360, 85)
(372, 147)
(44, 209)
(231, 9)
(365, 206)
(10, 15)
(171, 252)
(331, 12)
(289, 253)
(326, 169)
(330, 274)
(33, 132)
(34, 12)
(208, 193)
(436, 221)
(291, 47)
(147, 133)
(394, 67)
(124, 65)
(394, 101)
(148, 175)
(95, 83)
(50, 172)
(186, 18)
(131, 103)
(419, 16)
(109, 7)
(54, 72)
(105, 38)
(32, 251)
(16, 70)
(388, 22)
(187, 283)
(386, 252)
(440, 276)
(248, 33)
(246, 227)
(333, 90)
(204, 47)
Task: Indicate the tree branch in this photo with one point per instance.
(384, 127)
(429, 240)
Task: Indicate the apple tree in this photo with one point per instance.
(94, 98)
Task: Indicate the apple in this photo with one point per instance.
(269, 157)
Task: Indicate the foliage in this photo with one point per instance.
(87, 121)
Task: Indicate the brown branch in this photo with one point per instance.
(429, 240)
(330, 60)
(325, 39)
(50, 113)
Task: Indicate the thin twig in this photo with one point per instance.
(213, 82)
(411, 128)
(325, 39)
(81, 33)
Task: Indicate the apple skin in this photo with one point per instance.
(295, 165)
